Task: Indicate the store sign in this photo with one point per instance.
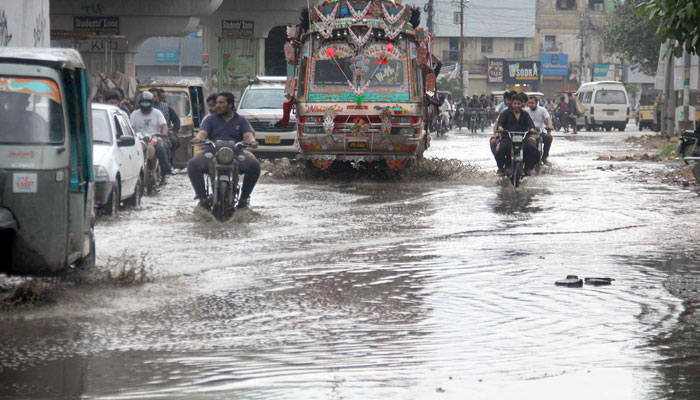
(103, 45)
(495, 72)
(555, 64)
(98, 25)
(167, 56)
(603, 72)
(522, 71)
(236, 29)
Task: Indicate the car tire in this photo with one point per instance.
(112, 206)
(608, 128)
(622, 128)
(135, 199)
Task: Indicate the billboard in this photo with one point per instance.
(603, 72)
(98, 25)
(495, 70)
(237, 29)
(555, 64)
(521, 72)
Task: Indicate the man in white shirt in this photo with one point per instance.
(543, 123)
(148, 121)
(446, 112)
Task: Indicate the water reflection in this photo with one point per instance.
(517, 202)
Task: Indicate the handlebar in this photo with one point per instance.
(222, 143)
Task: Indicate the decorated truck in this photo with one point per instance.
(364, 78)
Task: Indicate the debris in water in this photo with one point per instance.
(599, 281)
(570, 281)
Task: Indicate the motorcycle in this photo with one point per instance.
(441, 124)
(539, 144)
(473, 120)
(516, 171)
(689, 140)
(221, 183)
(556, 122)
(152, 178)
(459, 118)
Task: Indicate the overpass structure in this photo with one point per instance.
(241, 38)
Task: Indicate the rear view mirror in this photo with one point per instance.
(126, 141)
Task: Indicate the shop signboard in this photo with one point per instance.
(555, 64)
(98, 25)
(237, 29)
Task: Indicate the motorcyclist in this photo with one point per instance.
(148, 121)
(114, 98)
(462, 105)
(445, 111)
(474, 106)
(226, 124)
(543, 123)
(515, 120)
(173, 120)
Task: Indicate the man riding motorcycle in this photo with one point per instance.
(543, 123)
(226, 124)
(150, 122)
(173, 120)
(514, 119)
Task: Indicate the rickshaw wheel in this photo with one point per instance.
(89, 261)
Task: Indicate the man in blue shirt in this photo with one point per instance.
(226, 124)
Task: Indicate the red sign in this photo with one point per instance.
(495, 70)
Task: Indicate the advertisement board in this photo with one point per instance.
(555, 64)
(521, 72)
(603, 72)
(495, 70)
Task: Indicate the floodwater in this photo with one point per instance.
(441, 286)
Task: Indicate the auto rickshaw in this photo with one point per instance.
(645, 111)
(186, 96)
(46, 172)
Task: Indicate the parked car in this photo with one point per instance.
(606, 103)
(118, 159)
(261, 104)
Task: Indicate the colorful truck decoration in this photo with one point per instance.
(364, 75)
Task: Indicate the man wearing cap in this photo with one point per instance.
(148, 121)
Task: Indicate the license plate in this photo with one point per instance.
(357, 145)
(517, 139)
(272, 140)
(611, 112)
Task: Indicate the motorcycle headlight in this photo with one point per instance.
(224, 155)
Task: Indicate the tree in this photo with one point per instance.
(453, 86)
(676, 20)
(631, 37)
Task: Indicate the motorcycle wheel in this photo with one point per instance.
(223, 204)
(516, 173)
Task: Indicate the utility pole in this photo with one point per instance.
(461, 43)
(667, 110)
(584, 36)
(686, 93)
(430, 9)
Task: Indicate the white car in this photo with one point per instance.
(261, 104)
(118, 159)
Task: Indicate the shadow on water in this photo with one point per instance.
(517, 201)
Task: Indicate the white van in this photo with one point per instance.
(606, 103)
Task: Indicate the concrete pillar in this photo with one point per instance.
(24, 23)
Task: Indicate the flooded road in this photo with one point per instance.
(439, 287)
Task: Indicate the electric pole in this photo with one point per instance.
(584, 35)
(461, 44)
(430, 9)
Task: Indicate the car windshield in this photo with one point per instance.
(610, 97)
(30, 111)
(179, 101)
(263, 99)
(101, 132)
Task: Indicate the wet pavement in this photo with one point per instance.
(436, 286)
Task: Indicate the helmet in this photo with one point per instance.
(146, 100)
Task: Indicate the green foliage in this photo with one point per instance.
(677, 20)
(632, 37)
(451, 86)
(632, 90)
